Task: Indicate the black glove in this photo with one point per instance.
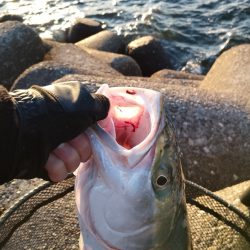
(48, 116)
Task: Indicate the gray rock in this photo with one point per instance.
(20, 47)
(46, 72)
(213, 131)
(11, 17)
(83, 28)
(122, 63)
(231, 74)
(105, 40)
(147, 80)
(149, 54)
(72, 54)
(59, 35)
(168, 73)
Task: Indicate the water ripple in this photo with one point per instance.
(194, 32)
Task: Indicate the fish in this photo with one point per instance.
(130, 194)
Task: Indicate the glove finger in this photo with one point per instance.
(101, 107)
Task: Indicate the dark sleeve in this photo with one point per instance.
(8, 135)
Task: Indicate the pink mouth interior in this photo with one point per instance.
(128, 122)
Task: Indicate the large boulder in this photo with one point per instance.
(83, 28)
(11, 17)
(122, 63)
(20, 47)
(72, 54)
(149, 54)
(44, 73)
(231, 74)
(105, 40)
(147, 80)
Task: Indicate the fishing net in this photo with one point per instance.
(45, 218)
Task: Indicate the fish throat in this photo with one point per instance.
(128, 121)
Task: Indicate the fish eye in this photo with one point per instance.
(162, 181)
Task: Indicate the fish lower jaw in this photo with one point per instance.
(133, 240)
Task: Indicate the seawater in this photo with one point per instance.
(194, 32)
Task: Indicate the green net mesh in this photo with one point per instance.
(46, 218)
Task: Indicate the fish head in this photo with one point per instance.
(130, 194)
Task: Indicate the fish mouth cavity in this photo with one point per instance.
(133, 116)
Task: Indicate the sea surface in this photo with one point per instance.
(194, 32)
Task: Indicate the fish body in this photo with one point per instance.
(130, 194)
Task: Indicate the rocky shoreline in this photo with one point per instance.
(211, 113)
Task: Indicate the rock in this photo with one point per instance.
(83, 28)
(149, 54)
(20, 47)
(46, 72)
(49, 44)
(213, 226)
(146, 80)
(231, 74)
(168, 73)
(72, 54)
(126, 65)
(59, 36)
(213, 131)
(105, 40)
(11, 17)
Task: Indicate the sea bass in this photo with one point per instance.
(130, 193)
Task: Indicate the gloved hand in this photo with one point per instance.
(48, 116)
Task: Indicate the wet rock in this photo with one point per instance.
(231, 74)
(126, 65)
(149, 54)
(218, 128)
(59, 36)
(72, 54)
(20, 47)
(46, 72)
(105, 40)
(168, 73)
(83, 28)
(11, 17)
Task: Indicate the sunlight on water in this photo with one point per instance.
(194, 32)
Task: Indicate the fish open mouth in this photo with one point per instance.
(128, 120)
